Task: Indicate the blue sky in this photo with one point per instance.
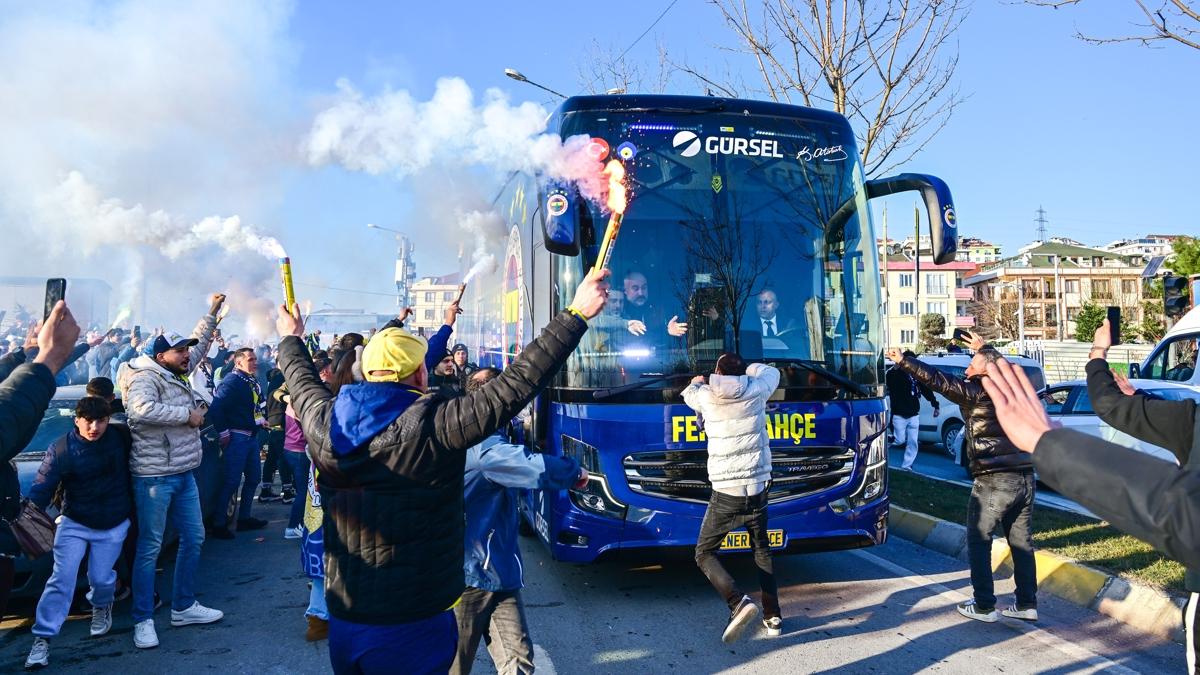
(1103, 137)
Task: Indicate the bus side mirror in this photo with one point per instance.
(943, 223)
(560, 225)
(1135, 371)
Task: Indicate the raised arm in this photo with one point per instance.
(1141, 495)
(1144, 417)
(955, 390)
(311, 399)
(513, 466)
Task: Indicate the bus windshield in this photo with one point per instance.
(726, 246)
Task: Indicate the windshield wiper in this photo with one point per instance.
(819, 368)
(646, 382)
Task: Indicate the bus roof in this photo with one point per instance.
(671, 103)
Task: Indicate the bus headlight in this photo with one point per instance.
(875, 481)
(596, 498)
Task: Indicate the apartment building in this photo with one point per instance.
(431, 297)
(938, 290)
(978, 251)
(1049, 279)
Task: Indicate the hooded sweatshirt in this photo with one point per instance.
(735, 421)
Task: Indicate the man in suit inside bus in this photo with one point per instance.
(770, 323)
(640, 314)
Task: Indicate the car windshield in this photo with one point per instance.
(727, 232)
(56, 422)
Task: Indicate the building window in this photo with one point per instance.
(908, 336)
(429, 315)
(1101, 289)
(428, 296)
(935, 308)
(1072, 313)
(907, 309)
(906, 281)
(935, 284)
(1129, 287)
(448, 296)
(1071, 286)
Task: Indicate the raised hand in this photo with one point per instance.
(675, 328)
(452, 313)
(894, 355)
(636, 327)
(289, 323)
(1018, 407)
(1123, 384)
(592, 294)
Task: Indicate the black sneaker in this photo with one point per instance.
(288, 497)
(247, 524)
(157, 600)
(267, 494)
(741, 616)
(220, 533)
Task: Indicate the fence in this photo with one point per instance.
(1066, 360)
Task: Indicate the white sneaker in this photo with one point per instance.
(292, 533)
(197, 613)
(969, 610)
(39, 654)
(101, 620)
(773, 626)
(144, 635)
(1023, 614)
(745, 612)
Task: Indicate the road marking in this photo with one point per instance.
(541, 661)
(920, 581)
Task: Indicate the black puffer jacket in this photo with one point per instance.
(393, 510)
(24, 396)
(988, 449)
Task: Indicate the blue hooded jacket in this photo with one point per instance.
(495, 473)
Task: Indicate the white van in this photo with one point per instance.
(1174, 357)
(942, 429)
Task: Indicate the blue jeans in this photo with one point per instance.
(157, 498)
(71, 542)
(298, 461)
(316, 600)
(1004, 500)
(241, 458)
(425, 646)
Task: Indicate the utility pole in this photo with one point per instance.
(917, 270)
(1041, 221)
(1058, 298)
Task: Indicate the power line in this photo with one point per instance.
(345, 290)
(639, 39)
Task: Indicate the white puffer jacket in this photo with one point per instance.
(735, 421)
(157, 404)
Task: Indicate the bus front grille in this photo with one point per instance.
(683, 474)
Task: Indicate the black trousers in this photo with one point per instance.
(725, 514)
(275, 460)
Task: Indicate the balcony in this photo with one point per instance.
(964, 294)
(964, 322)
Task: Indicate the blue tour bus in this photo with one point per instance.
(747, 221)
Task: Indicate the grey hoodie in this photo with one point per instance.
(735, 421)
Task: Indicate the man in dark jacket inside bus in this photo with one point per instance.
(1153, 500)
(1003, 489)
(390, 460)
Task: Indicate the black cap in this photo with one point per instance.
(460, 347)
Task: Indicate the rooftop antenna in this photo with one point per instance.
(1041, 221)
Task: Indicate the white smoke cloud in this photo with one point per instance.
(487, 230)
(394, 133)
(125, 124)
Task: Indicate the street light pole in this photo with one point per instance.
(519, 77)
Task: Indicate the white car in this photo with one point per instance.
(1069, 404)
(946, 426)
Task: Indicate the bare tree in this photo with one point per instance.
(887, 65)
(603, 69)
(1174, 20)
(995, 319)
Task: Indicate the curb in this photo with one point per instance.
(1143, 607)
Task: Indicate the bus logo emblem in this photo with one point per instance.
(690, 141)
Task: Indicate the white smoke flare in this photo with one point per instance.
(393, 133)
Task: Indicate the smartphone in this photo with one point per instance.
(960, 334)
(56, 289)
(137, 332)
(1114, 325)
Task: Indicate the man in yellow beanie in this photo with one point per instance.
(390, 461)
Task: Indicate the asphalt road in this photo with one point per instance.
(884, 610)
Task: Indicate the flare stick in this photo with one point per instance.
(610, 240)
(289, 290)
